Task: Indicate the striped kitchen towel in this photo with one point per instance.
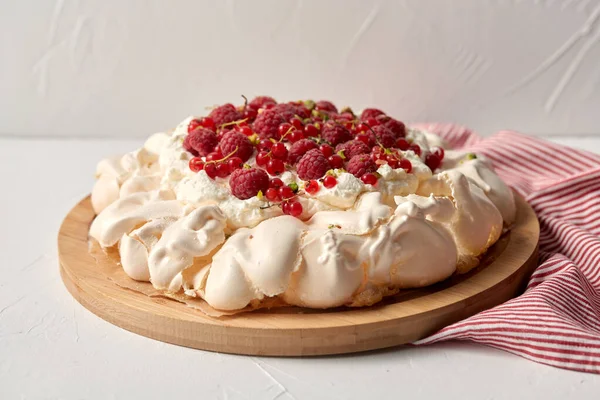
(557, 320)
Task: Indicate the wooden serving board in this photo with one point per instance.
(292, 331)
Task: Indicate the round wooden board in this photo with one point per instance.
(292, 331)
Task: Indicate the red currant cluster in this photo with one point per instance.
(284, 195)
(310, 137)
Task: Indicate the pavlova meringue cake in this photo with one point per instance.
(296, 203)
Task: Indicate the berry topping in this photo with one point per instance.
(275, 183)
(233, 140)
(353, 148)
(214, 156)
(300, 148)
(384, 136)
(398, 128)
(406, 165)
(196, 164)
(284, 128)
(360, 165)
(204, 122)
(211, 170)
(370, 113)
(324, 105)
(402, 144)
(311, 130)
(246, 183)
(261, 102)
(263, 158)
(223, 170)
(326, 149)
(265, 144)
(235, 163)
(312, 187)
(367, 138)
(336, 161)
(416, 148)
(438, 151)
(294, 208)
(279, 151)
(286, 192)
(275, 166)
(295, 136)
(225, 114)
(272, 194)
(335, 134)
(329, 181)
(267, 124)
(433, 161)
(312, 165)
(369, 179)
(200, 141)
(289, 110)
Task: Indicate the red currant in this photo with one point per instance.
(392, 161)
(406, 165)
(402, 144)
(297, 123)
(377, 150)
(214, 156)
(285, 207)
(275, 166)
(196, 164)
(416, 148)
(369, 179)
(272, 194)
(326, 149)
(211, 170)
(312, 187)
(295, 136)
(275, 183)
(362, 127)
(438, 151)
(336, 161)
(208, 123)
(286, 192)
(311, 130)
(329, 181)
(263, 158)
(235, 163)
(223, 170)
(363, 138)
(284, 128)
(432, 160)
(371, 122)
(250, 113)
(193, 125)
(279, 151)
(295, 208)
(246, 130)
(265, 144)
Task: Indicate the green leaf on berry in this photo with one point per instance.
(293, 186)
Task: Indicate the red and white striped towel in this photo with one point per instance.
(557, 320)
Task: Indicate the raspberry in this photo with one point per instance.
(224, 114)
(312, 165)
(267, 124)
(360, 165)
(246, 183)
(233, 139)
(384, 136)
(200, 142)
(300, 148)
(325, 105)
(353, 148)
(370, 113)
(397, 127)
(261, 102)
(335, 134)
(288, 110)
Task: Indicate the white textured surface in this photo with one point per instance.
(126, 69)
(53, 348)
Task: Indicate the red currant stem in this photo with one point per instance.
(224, 158)
(233, 123)
(245, 101)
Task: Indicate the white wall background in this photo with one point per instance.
(129, 68)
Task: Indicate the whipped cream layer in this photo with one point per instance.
(353, 244)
